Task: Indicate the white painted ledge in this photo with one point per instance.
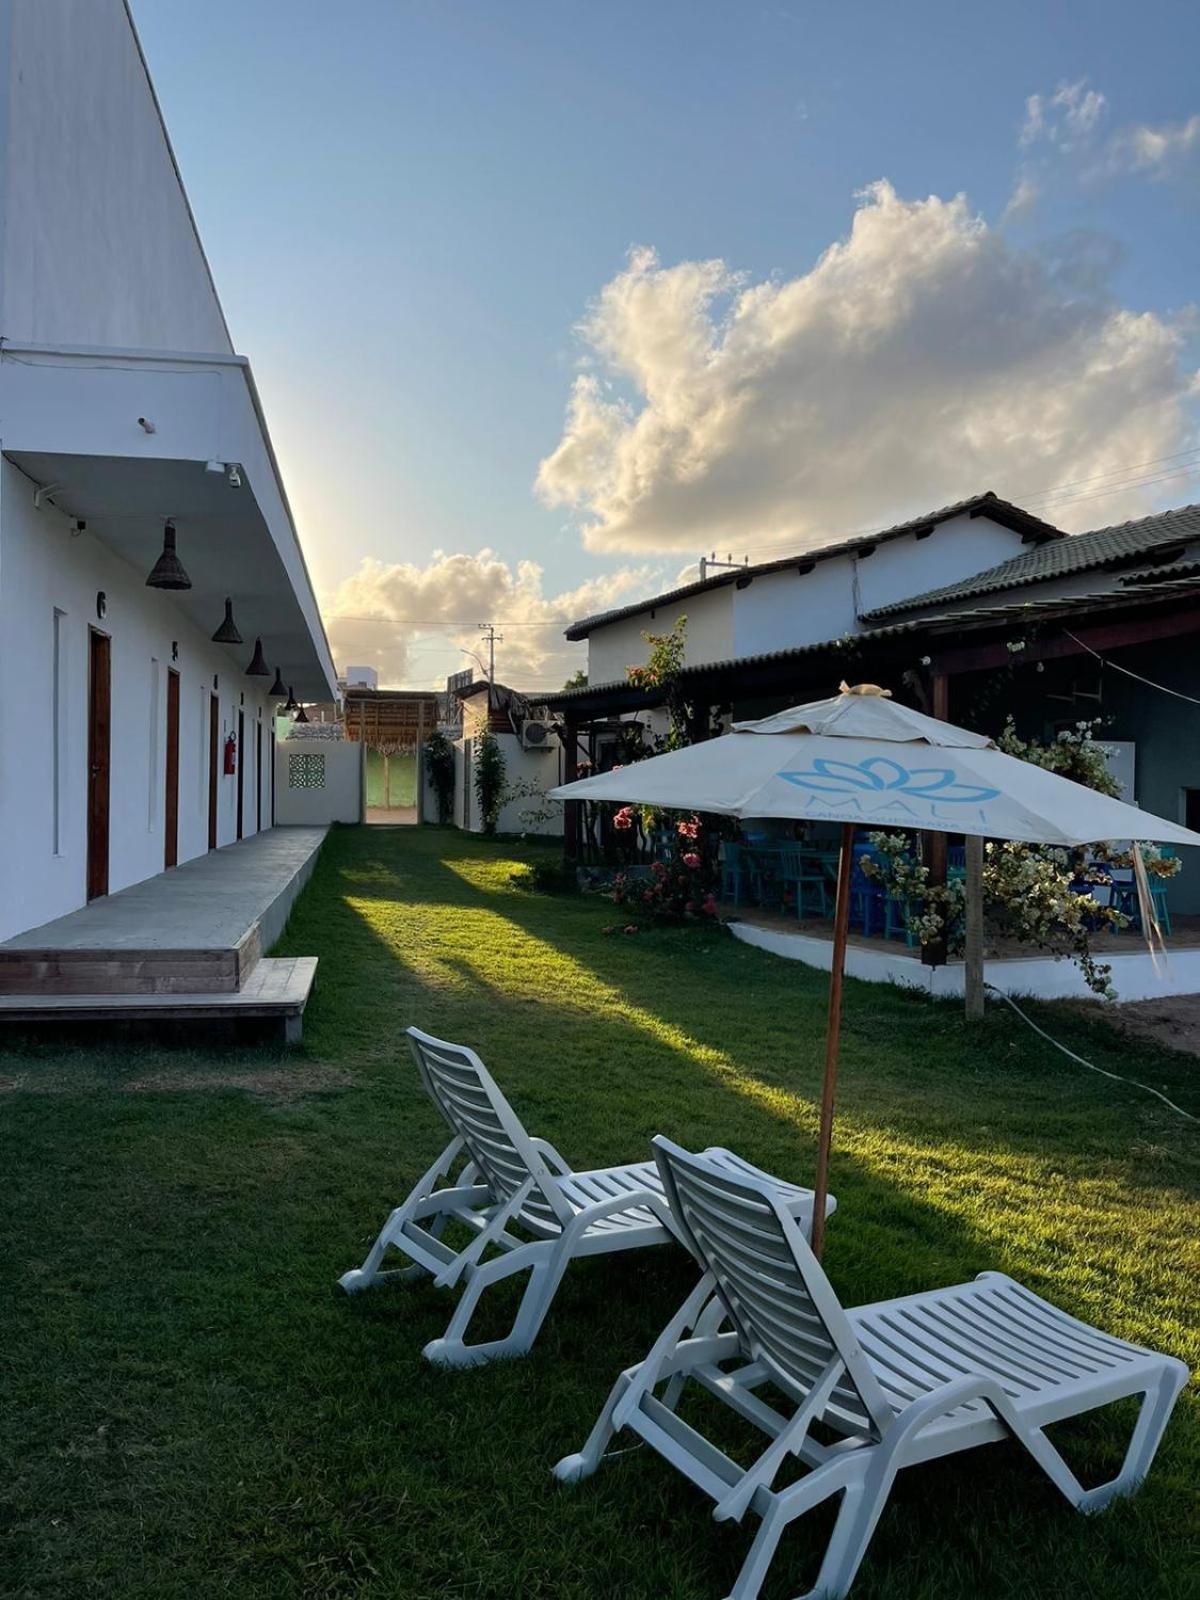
(1134, 976)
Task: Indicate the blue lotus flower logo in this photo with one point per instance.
(880, 775)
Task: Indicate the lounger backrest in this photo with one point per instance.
(778, 1298)
(465, 1093)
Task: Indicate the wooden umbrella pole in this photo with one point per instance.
(833, 1030)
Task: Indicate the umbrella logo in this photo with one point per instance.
(880, 775)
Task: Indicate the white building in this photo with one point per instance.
(123, 406)
(819, 595)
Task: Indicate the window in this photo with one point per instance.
(1191, 808)
(57, 730)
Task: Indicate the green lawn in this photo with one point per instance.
(191, 1408)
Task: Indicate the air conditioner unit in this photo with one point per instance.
(538, 735)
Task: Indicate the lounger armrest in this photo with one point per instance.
(557, 1163)
(631, 1200)
(912, 1421)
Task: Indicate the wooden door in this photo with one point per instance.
(258, 780)
(99, 761)
(241, 768)
(171, 814)
(214, 751)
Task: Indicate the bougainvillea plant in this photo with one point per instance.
(679, 890)
(1036, 894)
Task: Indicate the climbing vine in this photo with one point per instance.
(439, 768)
(489, 780)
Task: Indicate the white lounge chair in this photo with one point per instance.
(512, 1180)
(900, 1382)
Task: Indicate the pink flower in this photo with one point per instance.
(688, 830)
(632, 928)
(624, 818)
(658, 869)
(710, 906)
(691, 860)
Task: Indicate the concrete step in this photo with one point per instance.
(277, 990)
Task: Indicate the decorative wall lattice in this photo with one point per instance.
(306, 771)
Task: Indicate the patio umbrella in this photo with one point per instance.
(861, 760)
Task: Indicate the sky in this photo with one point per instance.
(546, 298)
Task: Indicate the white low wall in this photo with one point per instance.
(1134, 976)
(318, 780)
(540, 768)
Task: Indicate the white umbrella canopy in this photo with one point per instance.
(861, 760)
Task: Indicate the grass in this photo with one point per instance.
(190, 1408)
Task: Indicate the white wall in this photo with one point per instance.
(781, 610)
(44, 566)
(340, 796)
(538, 767)
(620, 645)
(98, 243)
(953, 551)
(545, 769)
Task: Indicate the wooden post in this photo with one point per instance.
(420, 762)
(571, 807)
(833, 1030)
(934, 953)
(973, 977)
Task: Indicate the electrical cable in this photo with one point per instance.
(1149, 682)
(1115, 1076)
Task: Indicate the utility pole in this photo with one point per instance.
(491, 639)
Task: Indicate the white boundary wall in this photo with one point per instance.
(1134, 976)
(328, 787)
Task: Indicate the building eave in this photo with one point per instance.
(988, 504)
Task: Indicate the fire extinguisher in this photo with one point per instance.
(230, 756)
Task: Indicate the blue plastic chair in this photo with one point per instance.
(806, 880)
(733, 871)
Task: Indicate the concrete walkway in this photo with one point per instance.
(184, 946)
(206, 904)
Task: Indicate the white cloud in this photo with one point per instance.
(1022, 201)
(921, 358)
(408, 621)
(1066, 118)
(1159, 152)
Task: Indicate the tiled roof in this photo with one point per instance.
(1011, 611)
(1125, 541)
(988, 504)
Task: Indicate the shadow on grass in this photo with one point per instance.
(186, 1380)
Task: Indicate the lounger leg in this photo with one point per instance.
(584, 1462)
(391, 1232)
(363, 1277)
(545, 1273)
(863, 1501)
(1157, 1405)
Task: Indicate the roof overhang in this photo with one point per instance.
(74, 421)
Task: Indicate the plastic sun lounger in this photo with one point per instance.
(901, 1382)
(511, 1179)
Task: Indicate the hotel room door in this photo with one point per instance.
(99, 753)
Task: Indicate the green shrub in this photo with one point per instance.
(439, 765)
(489, 780)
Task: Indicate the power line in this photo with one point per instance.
(1044, 500)
(443, 622)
